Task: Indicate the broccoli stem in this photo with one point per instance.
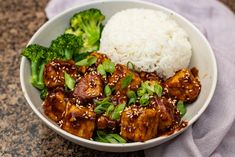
(68, 54)
(37, 78)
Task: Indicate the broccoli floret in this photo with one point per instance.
(87, 25)
(66, 45)
(36, 54)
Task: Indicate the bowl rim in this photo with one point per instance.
(133, 144)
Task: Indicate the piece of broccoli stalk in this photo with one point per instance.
(66, 46)
(87, 25)
(37, 55)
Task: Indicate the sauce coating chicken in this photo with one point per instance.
(139, 124)
(183, 86)
(95, 101)
(54, 105)
(90, 86)
(53, 74)
(121, 71)
(79, 120)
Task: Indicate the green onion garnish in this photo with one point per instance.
(109, 138)
(126, 81)
(109, 110)
(108, 66)
(107, 90)
(117, 111)
(130, 65)
(141, 91)
(132, 96)
(144, 100)
(43, 93)
(87, 62)
(100, 69)
(158, 89)
(181, 108)
(102, 106)
(69, 81)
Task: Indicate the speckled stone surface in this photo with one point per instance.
(22, 133)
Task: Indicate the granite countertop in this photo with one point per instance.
(22, 133)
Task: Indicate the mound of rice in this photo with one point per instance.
(150, 39)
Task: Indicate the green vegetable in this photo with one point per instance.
(109, 138)
(181, 108)
(144, 100)
(126, 81)
(38, 56)
(87, 61)
(117, 111)
(43, 93)
(69, 81)
(149, 88)
(66, 45)
(132, 96)
(102, 106)
(81, 56)
(107, 90)
(118, 138)
(109, 110)
(130, 65)
(141, 91)
(100, 69)
(108, 66)
(88, 26)
(158, 89)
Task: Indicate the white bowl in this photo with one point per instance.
(202, 58)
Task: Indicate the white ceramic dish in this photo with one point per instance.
(202, 58)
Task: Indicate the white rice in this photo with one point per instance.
(150, 39)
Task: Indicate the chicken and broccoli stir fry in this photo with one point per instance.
(89, 96)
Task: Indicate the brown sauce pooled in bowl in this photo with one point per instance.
(116, 99)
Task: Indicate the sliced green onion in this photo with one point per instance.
(102, 106)
(108, 66)
(141, 91)
(148, 87)
(87, 62)
(118, 138)
(107, 90)
(132, 96)
(69, 81)
(130, 65)
(99, 139)
(144, 100)
(158, 89)
(131, 101)
(101, 71)
(109, 138)
(181, 108)
(43, 93)
(117, 111)
(109, 110)
(126, 81)
(101, 136)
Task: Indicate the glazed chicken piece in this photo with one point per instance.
(100, 59)
(53, 74)
(121, 71)
(167, 111)
(183, 85)
(90, 86)
(54, 105)
(105, 123)
(150, 76)
(79, 121)
(139, 124)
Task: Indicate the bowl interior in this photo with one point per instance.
(202, 58)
